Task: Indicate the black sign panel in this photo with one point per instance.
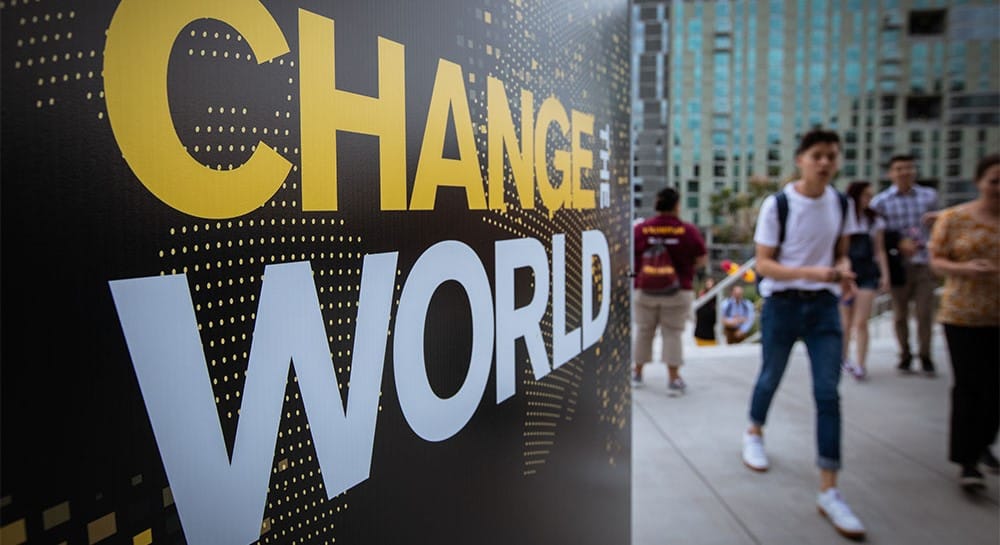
(315, 272)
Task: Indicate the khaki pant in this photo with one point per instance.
(669, 312)
(919, 288)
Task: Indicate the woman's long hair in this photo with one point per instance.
(854, 191)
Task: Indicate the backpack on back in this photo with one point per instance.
(657, 274)
(781, 203)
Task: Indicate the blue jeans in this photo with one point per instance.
(815, 320)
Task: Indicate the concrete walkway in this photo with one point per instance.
(690, 486)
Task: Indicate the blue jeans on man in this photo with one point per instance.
(814, 318)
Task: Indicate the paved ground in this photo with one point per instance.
(690, 487)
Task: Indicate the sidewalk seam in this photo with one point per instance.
(698, 473)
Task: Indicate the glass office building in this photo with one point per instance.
(722, 90)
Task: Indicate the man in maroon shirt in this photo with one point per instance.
(687, 252)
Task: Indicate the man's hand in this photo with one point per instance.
(907, 247)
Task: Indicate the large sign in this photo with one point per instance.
(315, 272)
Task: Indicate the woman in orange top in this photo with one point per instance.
(965, 247)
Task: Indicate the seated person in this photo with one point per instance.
(737, 316)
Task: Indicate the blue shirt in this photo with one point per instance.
(732, 309)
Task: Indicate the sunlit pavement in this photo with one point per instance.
(690, 486)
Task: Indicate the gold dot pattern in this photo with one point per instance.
(571, 74)
(224, 261)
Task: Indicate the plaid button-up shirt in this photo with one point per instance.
(902, 213)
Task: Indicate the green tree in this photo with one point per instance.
(735, 214)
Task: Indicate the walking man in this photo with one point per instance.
(909, 210)
(803, 259)
(667, 309)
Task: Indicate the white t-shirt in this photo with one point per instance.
(811, 230)
(864, 226)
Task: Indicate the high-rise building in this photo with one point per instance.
(722, 91)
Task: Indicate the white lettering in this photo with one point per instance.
(431, 417)
(514, 323)
(161, 330)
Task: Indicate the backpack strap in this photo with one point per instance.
(781, 200)
(843, 219)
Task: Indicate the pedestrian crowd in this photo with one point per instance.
(822, 257)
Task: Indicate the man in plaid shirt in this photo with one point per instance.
(909, 210)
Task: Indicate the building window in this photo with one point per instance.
(954, 136)
(953, 170)
(692, 186)
(719, 170)
(923, 107)
(916, 137)
(954, 153)
(696, 170)
(929, 22)
(692, 201)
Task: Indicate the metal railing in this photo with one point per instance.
(720, 288)
(881, 305)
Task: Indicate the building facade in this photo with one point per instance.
(722, 90)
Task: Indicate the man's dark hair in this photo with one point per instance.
(901, 158)
(666, 199)
(817, 136)
(985, 164)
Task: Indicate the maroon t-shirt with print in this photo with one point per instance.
(683, 241)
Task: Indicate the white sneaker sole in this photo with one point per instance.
(851, 534)
(758, 469)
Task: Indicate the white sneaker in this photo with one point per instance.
(676, 387)
(754, 456)
(832, 505)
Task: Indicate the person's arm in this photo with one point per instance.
(700, 250)
(942, 263)
(769, 267)
(881, 259)
(750, 317)
(638, 246)
(931, 214)
(841, 259)
(727, 320)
